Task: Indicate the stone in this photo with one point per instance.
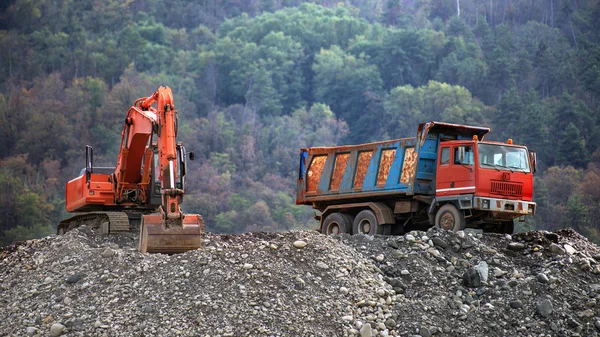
(569, 249)
(365, 330)
(551, 236)
(482, 269)
(556, 249)
(516, 304)
(108, 252)
(471, 278)
(440, 243)
(393, 244)
(499, 272)
(343, 290)
(516, 246)
(461, 234)
(30, 331)
(544, 308)
(390, 323)
(247, 266)
(588, 313)
(347, 318)
(74, 279)
(424, 332)
(542, 278)
(409, 238)
(379, 258)
(57, 329)
(300, 244)
(322, 265)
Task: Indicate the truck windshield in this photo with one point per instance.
(501, 157)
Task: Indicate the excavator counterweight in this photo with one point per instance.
(146, 186)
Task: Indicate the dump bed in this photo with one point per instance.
(397, 167)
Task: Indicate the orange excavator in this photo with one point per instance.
(146, 187)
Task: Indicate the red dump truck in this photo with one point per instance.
(447, 176)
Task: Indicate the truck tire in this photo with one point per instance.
(448, 217)
(335, 223)
(365, 223)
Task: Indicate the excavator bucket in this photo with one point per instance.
(156, 237)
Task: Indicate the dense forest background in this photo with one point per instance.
(255, 80)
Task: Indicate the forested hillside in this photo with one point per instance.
(256, 80)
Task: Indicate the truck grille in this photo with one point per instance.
(512, 189)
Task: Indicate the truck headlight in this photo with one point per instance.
(485, 203)
(530, 209)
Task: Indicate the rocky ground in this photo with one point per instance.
(302, 283)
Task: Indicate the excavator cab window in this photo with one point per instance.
(181, 168)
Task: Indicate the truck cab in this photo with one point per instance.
(490, 183)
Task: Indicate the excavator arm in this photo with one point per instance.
(169, 231)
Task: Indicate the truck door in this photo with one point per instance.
(455, 174)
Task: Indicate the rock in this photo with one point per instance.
(347, 318)
(365, 330)
(322, 265)
(390, 323)
(471, 278)
(499, 272)
(299, 283)
(440, 243)
(588, 313)
(482, 269)
(31, 331)
(542, 278)
(108, 252)
(556, 249)
(247, 266)
(551, 236)
(516, 246)
(404, 272)
(48, 280)
(379, 258)
(569, 249)
(424, 332)
(74, 279)
(393, 244)
(572, 323)
(544, 308)
(409, 238)
(516, 304)
(67, 301)
(461, 234)
(300, 244)
(57, 329)
(344, 291)
(597, 324)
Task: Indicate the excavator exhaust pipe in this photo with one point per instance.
(157, 237)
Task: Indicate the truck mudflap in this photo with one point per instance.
(504, 208)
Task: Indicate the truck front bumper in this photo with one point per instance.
(504, 208)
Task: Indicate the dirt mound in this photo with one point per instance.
(302, 283)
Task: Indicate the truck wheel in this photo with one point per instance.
(335, 223)
(365, 223)
(449, 218)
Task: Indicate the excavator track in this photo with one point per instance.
(106, 222)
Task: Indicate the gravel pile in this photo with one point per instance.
(302, 283)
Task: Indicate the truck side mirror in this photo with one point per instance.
(89, 162)
(533, 161)
(192, 155)
(461, 155)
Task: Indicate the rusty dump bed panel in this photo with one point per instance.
(400, 167)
